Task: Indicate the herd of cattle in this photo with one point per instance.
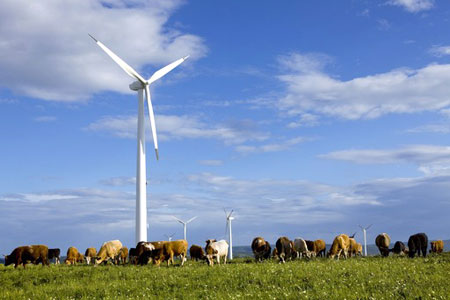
(157, 252)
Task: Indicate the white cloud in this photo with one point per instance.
(432, 160)
(440, 51)
(311, 91)
(413, 5)
(47, 54)
(274, 147)
(178, 127)
(383, 24)
(45, 119)
(211, 162)
(119, 181)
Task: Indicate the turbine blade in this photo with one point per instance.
(191, 219)
(163, 71)
(127, 68)
(369, 226)
(152, 119)
(230, 213)
(177, 219)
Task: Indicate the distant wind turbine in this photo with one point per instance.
(141, 175)
(169, 237)
(365, 241)
(230, 235)
(185, 224)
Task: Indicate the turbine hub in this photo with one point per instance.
(136, 86)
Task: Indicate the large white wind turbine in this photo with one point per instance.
(230, 235)
(141, 176)
(185, 223)
(364, 229)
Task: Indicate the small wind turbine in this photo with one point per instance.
(169, 237)
(230, 236)
(141, 175)
(365, 241)
(185, 223)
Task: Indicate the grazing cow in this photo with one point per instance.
(418, 242)
(196, 252)
(359, 251)
(320, 247)
(437, 246)
(300, 248)
(89, 254)
(311, 247)
(21, 255)
(72, 256)
(399, 248)
(261, 249)
(171, 249)
(341, 245)
(80, 258)
(147, 250)
(132, 254)
(275, 253)
(382, 242)
(109, 250)
(54, 254)
(216, 249)
(285, 249)
(353, 248)
(121, 258)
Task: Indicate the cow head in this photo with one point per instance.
(8, 260)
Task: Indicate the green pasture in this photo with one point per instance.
(355, 278)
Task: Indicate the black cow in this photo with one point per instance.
(416, 243)
(399, 248)
(54, 254)
(285, 248)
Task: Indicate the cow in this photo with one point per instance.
(399, 248)
(132, 254)
(80, 258)
(300, 248)
(416, 243)
(217, 249)
(311, 247)
(353, 248)
(90, 254)
(171, 249)
(359, 251)
(196, 252)
(437, 246)
(275, 253)
(261, 248)
(54, 254)
(341, 245)
(22, 255)
(72, 256)
(109, 250)
(382, 241)
(147, 250)
(121, 258)
(285, 249)
(320, 247)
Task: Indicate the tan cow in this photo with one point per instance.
(80, 258)
(359, 251)
(72, 256)
(320, 247)
(90, 254)
(122, 257)
(341, 245)
(382, 242)
(437, 246)
(171, 249)
(109, 250)
(353, 248)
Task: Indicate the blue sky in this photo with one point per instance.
(307, 118)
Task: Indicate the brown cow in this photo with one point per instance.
(320, 247)
(121, 258)
(285, 249)
(382, 241)
(72, 256)
(109, 250)
(132, 254)
(261, 248)
(147, 250)
(437, 246)
(353, 248)
(311, 247)
(80, 258)
(171, 249)
(54, 254)
(196, 252)
(21, 255)
(275, 253)
(340, 246)
(90, 253)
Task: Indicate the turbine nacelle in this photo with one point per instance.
(137, 85)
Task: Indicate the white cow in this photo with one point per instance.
(109, 250)
(301, 248)
(216, 249)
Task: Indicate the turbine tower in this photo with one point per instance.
(185, 223)
(230, 235)
(365, 241)
(141, 174)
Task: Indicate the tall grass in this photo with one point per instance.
(356, 278)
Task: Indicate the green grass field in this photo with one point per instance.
(356, 278)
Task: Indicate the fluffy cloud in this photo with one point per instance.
(312, 92)
(274, 147)
(46, 52)
(440, 50)
(431, 159)
(413, 5)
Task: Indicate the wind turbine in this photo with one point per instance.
(169, 237)
(230, 236)
(365, 241)
(141, 175)
(185, 223)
